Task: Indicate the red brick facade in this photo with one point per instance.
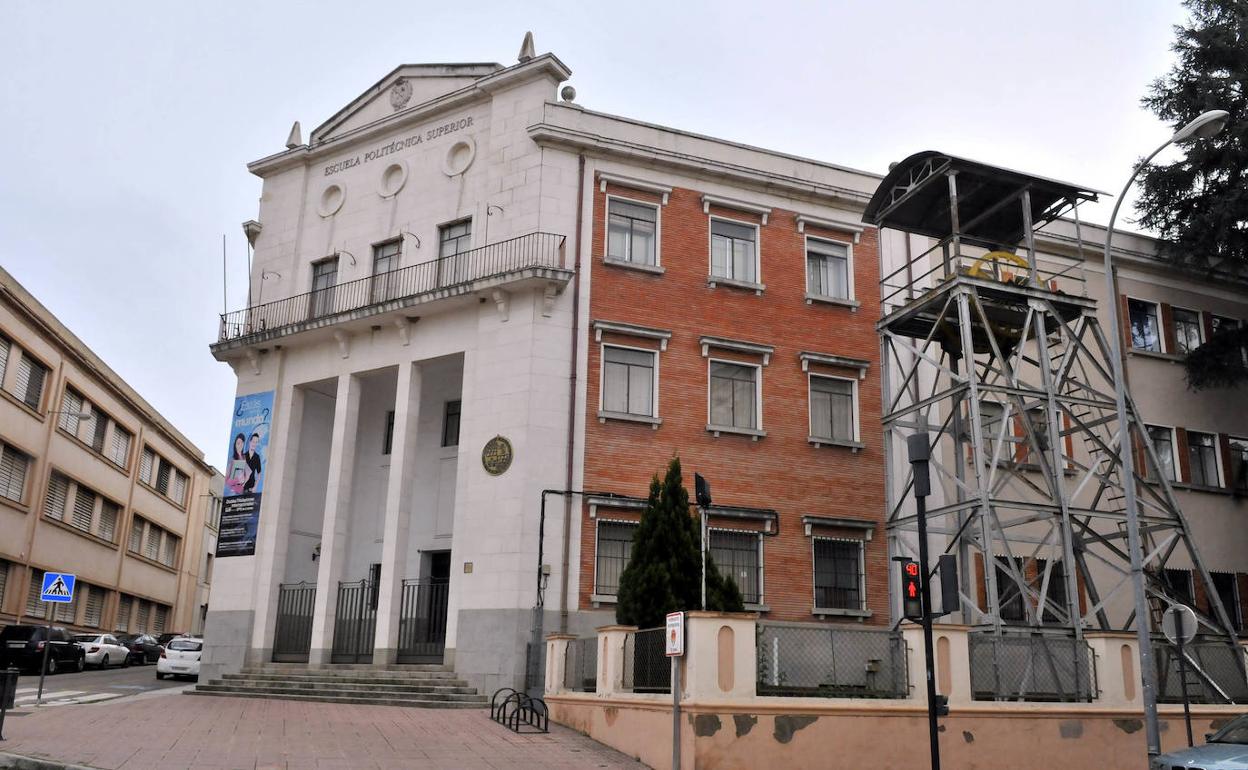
(781, 470)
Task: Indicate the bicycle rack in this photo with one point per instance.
(517, 711)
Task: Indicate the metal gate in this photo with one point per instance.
(292, 636)
(355, 621)
(422, 621)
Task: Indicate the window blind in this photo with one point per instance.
(136, 535)
(58, 496)
(71, 407)
(145, 466)
(108, 520)
(29, 384)
(95, 606)
(120, 450)
(13, 465)
(84, 508)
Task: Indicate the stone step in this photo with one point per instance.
(241, 680)
(208, 690)
(448, 679)
(349, 674)
(344, 692)
(331, 667)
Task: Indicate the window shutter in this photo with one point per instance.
(121, 446)
(66, 612)
(1183, 472)
(162, 614)
(4, 576)
(84, 509)
(1224, 448)
(136, 535)
(100, 430)
(13, 465)
(145, 610)
(178, 490)
(4, 358)
(169, 552)
(95, 606)
(108, 520)
(29, 385)
(71, 407)
(34, 607)
(162, 476)
(123, 612)
(1166, 321)
(152, 548)
(145, 466)
(58, 496)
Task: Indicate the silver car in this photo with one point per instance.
(1227, 749)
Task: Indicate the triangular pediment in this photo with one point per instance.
(407, 86)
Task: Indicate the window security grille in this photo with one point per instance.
(615, 542)
(838, 574)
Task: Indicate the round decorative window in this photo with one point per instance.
(393, 179)
(459, 157)
(331, 199)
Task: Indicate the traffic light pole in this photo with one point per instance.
(919, 451)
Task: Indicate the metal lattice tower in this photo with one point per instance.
(997, 353)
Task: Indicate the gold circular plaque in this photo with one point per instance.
(496, 456)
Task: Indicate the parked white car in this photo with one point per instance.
(103, 650)
(180, 657)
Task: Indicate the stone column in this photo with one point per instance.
(611, 658)
(721, 659)
(337, 517)
(397, 513)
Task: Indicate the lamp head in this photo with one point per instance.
(1204, 126)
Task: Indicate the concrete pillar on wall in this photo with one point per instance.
(611, 658)
(397, 512)
(557, 660)
(337, 516)
(272, 537)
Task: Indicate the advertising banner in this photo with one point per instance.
(245, 471)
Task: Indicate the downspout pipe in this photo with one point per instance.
(572, 368)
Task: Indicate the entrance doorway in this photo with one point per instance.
(422, 613)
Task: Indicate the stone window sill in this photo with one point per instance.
(653, 422)
(1171, 357)
(831, 611)
(751, 432)
(153, 562)
(854, 446)
(82, 532)
(598, 599)
(719, 280)
(1189, 487)
(823, 299)
(641, 266)
(98, 455)
(22, 405)
(756, 607)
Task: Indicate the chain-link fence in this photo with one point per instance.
(580, 665)
(804, 660)
(646, 665)
(1214, 674)
(1031, 667)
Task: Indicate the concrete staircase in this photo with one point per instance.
(419, 686)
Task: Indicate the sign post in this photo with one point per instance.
(675, 636)
(1178, 623)
(58, 588)
(920, 452)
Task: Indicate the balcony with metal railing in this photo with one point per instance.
(534, 259)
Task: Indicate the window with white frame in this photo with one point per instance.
(833, 408)
(614, 548)
(455, 238)
(385, 261)
(1228, 593)
(738, 555)
(14, 465)
(838, 567)
(629, 380)
(632, 231)
(1187, 331)
(734, 251)
(827, 268)
(31, 377)
(324, 281)
(1238, 464)
(1202, 459)
(1163, 441)
(1145, 325)
(734, 395)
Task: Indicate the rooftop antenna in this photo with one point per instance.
(225, 302)
(526, 48)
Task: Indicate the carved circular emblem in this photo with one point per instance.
(496, 456)
(400, 93)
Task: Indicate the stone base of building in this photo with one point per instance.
(227, 642)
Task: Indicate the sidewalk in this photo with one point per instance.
(208, 733)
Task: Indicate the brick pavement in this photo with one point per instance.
(200, 733)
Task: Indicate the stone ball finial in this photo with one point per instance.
(526, 48)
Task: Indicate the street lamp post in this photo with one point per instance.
(1203, 127)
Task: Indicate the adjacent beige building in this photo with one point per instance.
(95, 482)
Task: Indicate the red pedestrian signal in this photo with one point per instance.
(911, 602)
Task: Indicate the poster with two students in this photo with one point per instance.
(245, 471)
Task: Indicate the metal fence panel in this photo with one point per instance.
(828, 661)
(580, 672)
(646, 665)
(292, 636)
(1031, 667)
(422, 621)
(1216, 660)
(355, 621)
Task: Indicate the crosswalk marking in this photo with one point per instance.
(31, 697)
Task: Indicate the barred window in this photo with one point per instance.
(1009, 594)
(13, 467)
(738, 556)
(615, 544)
(1056, 597)
(838, 574)
(57, 497)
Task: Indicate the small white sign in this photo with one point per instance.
(675, 634)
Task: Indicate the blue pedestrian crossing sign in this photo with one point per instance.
(58, 587)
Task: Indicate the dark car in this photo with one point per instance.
(24, 646)
(164, 639)
(143, 647)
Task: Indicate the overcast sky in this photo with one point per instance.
(125, 132)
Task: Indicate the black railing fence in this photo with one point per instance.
(422, 621)
(534, 250)
(355, 622)
(805, 660)
(1031, 667)
(292, 637)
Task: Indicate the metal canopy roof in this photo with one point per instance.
(915, 196)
